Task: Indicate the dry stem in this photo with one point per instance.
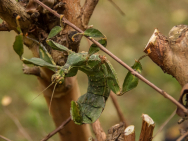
(99, 132)
(56, 130)
(147, 128)
(166, 95)
(120, 113)
(129, 133)
(4, 138)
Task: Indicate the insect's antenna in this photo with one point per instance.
(41, 93)
(52, 98)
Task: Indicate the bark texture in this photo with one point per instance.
(38, 22)
(170, 52)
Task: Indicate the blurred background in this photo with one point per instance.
(127, 37)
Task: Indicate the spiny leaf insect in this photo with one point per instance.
(101, 76)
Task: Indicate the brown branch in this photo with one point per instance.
(18, 124)
(129, 133)
(4, 138)
(31, 70)
(117, 7)
(166, 95)
(120, 113)
(116, 132)
(99, 132)
(147, 128)
(56, 130)
(9, 9)
(88, 9)
(182, 137)
(165, 123)
(4, 26)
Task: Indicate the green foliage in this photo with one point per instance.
(54, 31)
(18, 45)
(75, 113)
(57, 46)
(91, 32)
(94, 48)
(131, 81)
(40, 62)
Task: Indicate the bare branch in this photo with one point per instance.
(120, 114)
(4, 26)
(116, 132)
(182, 137)
(4, 138)
(165, 123)
(147, 128)
(9, 9)
(18, 124)
(129, 133)
(117, 7)
(99, 133)
(57, 129)
(166, 95)
(31, 70)
(88, 9)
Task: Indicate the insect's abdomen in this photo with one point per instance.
(93, 102)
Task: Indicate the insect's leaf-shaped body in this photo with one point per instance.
(91, 104)
(40, 62)
(131, 81)
(18, 45)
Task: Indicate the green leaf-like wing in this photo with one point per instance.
(54, 31)
(57, 46)
(18, 45)
(91, 32)
(40, 62)
(131, 81)
(113, 83)
(46, 56)
(94, 48)
(75, 113)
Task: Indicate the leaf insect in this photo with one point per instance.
(101, 75)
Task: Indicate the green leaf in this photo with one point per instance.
(112, 81)
(91, 32)
(18, 45)
(131, 81)
(94, 48)
(54, 31)
(45, 56)
(41, 63)
(75, 113)
(57, 46)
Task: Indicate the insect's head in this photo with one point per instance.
(57, 78)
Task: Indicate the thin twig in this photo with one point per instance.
(4, 138)
(166, 95)
(57, 129)
(117, 7)
(182, 137)
(165, 123)
(120, 113)
(18, 124)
